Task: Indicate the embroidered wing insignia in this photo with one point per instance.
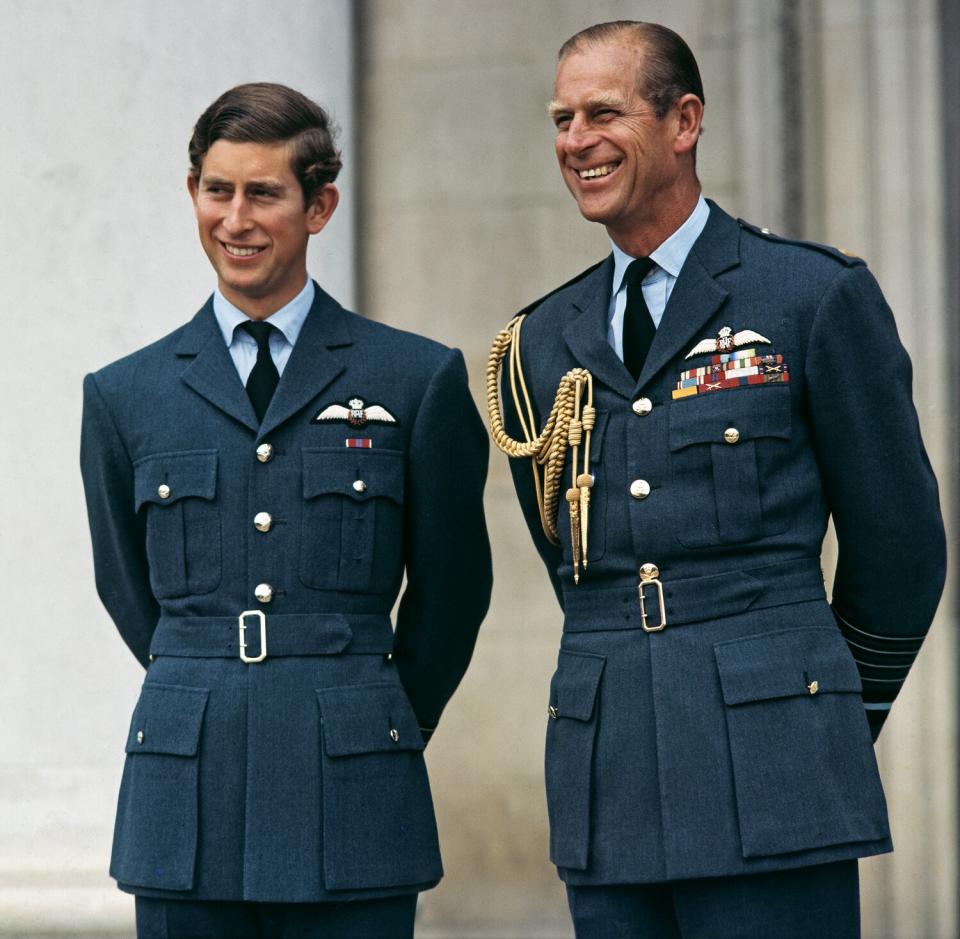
(355, 413)
(726, 341)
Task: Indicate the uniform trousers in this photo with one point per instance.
(822, 900)
(386, 918)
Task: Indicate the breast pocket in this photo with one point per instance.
(379, 828)
(803, 764)
(728, 450)
(178, 493)
(155, 839)
(351, 534)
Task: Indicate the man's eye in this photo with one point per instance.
(562, 123)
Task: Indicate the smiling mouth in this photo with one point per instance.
(240, 251)
(595, 172)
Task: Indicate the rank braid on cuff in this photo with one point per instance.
(568, 426)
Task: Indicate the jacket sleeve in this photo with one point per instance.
(879, 485)
(117, 532)
(447, 552)
(521, 469)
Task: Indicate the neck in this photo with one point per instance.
(260, 308)
(641, 238)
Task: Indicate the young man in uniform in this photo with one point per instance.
(715, 393)
(258, 483)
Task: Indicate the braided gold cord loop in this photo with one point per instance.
(567, 425)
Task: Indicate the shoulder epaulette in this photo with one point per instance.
(530, 307)
(838, 254)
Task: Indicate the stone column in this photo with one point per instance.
(876, 185)
(99, 257)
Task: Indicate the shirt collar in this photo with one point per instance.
(288, 319)
(673, 252)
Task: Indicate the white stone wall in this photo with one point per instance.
(99, 256)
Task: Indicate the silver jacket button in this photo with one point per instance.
(262, 521)
(394, 734)
(642, 406)
(140, 736)
(263, 592)
(163, 491)
(731, 435)
(265, 453)
(639, 489)
(359, 486)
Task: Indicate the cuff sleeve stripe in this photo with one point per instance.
(874, 651)
(878, 707)
(862, 664)
(845, 625)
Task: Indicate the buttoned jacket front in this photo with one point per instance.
(733, 740)
(299, 777)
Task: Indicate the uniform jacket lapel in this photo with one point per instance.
(212, 373)
(311, 366)
(586, 331)
(696, 296)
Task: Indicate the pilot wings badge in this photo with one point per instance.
(727, 340)
(355, 413)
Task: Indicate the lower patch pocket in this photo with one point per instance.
(803, 763)
(155, 838)
(379, 828)
(571, 734)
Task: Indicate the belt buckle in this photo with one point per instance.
(243, 633)
(649, 576)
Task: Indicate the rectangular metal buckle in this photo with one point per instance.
(643, 608)
(243, 633)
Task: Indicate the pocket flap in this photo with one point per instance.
(368, 719)
(357, 473)
(164, 478)
(784, 664)
(758, 411)
(167, 719)
(573, 691)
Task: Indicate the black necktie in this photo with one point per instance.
(264, 377)
(638, 328)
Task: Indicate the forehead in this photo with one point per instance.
(233, 160)
(598, 71)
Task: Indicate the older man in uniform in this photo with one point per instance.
(258, 483)
(697, 406)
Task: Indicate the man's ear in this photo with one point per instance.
(321, 207)
(192, 188)
(689, 111)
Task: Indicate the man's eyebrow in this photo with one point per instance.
(602, 100)
(274, 185)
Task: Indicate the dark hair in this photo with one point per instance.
(669, 69)
(263, 112)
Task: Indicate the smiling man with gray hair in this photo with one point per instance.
(697, 406)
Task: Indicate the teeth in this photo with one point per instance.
(239, 252)
(597, 171)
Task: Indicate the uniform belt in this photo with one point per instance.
(214, 637)
(693, 599)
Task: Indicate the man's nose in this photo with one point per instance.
(237, 219)
(580, 136)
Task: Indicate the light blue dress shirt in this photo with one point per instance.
(288, 319)
(658, 284)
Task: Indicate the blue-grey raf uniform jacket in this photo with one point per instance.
(299, 777)
(735, 739)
